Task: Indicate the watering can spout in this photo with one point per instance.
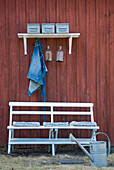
(73, 139)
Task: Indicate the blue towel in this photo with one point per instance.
(37, 70)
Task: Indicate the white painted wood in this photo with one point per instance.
(67, 35)
(93, 133)
(54, 104)
(51, 113)
(70, 44)
(9, 142)
(53, 150)
(12, 131)
(51, 140)
(91, 110)
(55, 127)
(10, 120)
(48, 141)
(25, 45)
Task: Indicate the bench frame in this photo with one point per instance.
(51, 140)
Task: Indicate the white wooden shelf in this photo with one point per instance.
(68, 35)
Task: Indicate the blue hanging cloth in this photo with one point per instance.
(37, 72)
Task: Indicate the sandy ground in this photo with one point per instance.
(39, 158)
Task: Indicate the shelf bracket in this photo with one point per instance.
(25, 45)
(70, 44)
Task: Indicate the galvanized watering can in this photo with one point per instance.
(98, 151)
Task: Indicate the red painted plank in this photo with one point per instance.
(61, 82)
(81, 57)
(71, 71)
(97, 63)
(13, 52)
(90, 54)
(51, 66)
(111, 42)
(3, 75)
(101, 65)
(108, 113)
(32, 19)
(23, 82)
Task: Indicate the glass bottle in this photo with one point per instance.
(48, 54)
(59, 56)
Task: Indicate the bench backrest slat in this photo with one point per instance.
(51, 112)
(54, 104)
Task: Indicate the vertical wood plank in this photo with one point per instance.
(90, 54)
(37, 95)
(81, 58)
(97, 63)
(32, 19)
(3, 75)
(43, 19)
(61, 66)
(23, 63)
(13, 57)
(111, 42)
(101, 65)
(71, 59)
(71, 71)
(51, 66)
(107, 76)
(90, 51)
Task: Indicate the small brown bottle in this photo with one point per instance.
(48, 54)
(59, 57)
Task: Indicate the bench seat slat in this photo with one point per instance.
(55, 127)
(47, 141)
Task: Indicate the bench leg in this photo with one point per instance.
(9, 148)
(9, 145)
(12, 137)
(56, 135)
(53, 150)
(51, 135)
(50, 130)
(93, 132)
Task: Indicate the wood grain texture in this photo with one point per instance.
(87, 75)
(111, 81)
(90, 53)
(3, 73)
(60, 66)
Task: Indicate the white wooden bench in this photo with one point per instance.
(52, 112)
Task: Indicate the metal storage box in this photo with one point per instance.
(48, 28)
(33, 28)
(62, 28)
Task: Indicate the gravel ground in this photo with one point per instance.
(39, 158)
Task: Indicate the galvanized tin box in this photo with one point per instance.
(48, 28)
(62, 28)
(33, 28)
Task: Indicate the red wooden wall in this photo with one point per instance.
(87, 75)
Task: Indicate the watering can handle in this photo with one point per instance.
(107, 138)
